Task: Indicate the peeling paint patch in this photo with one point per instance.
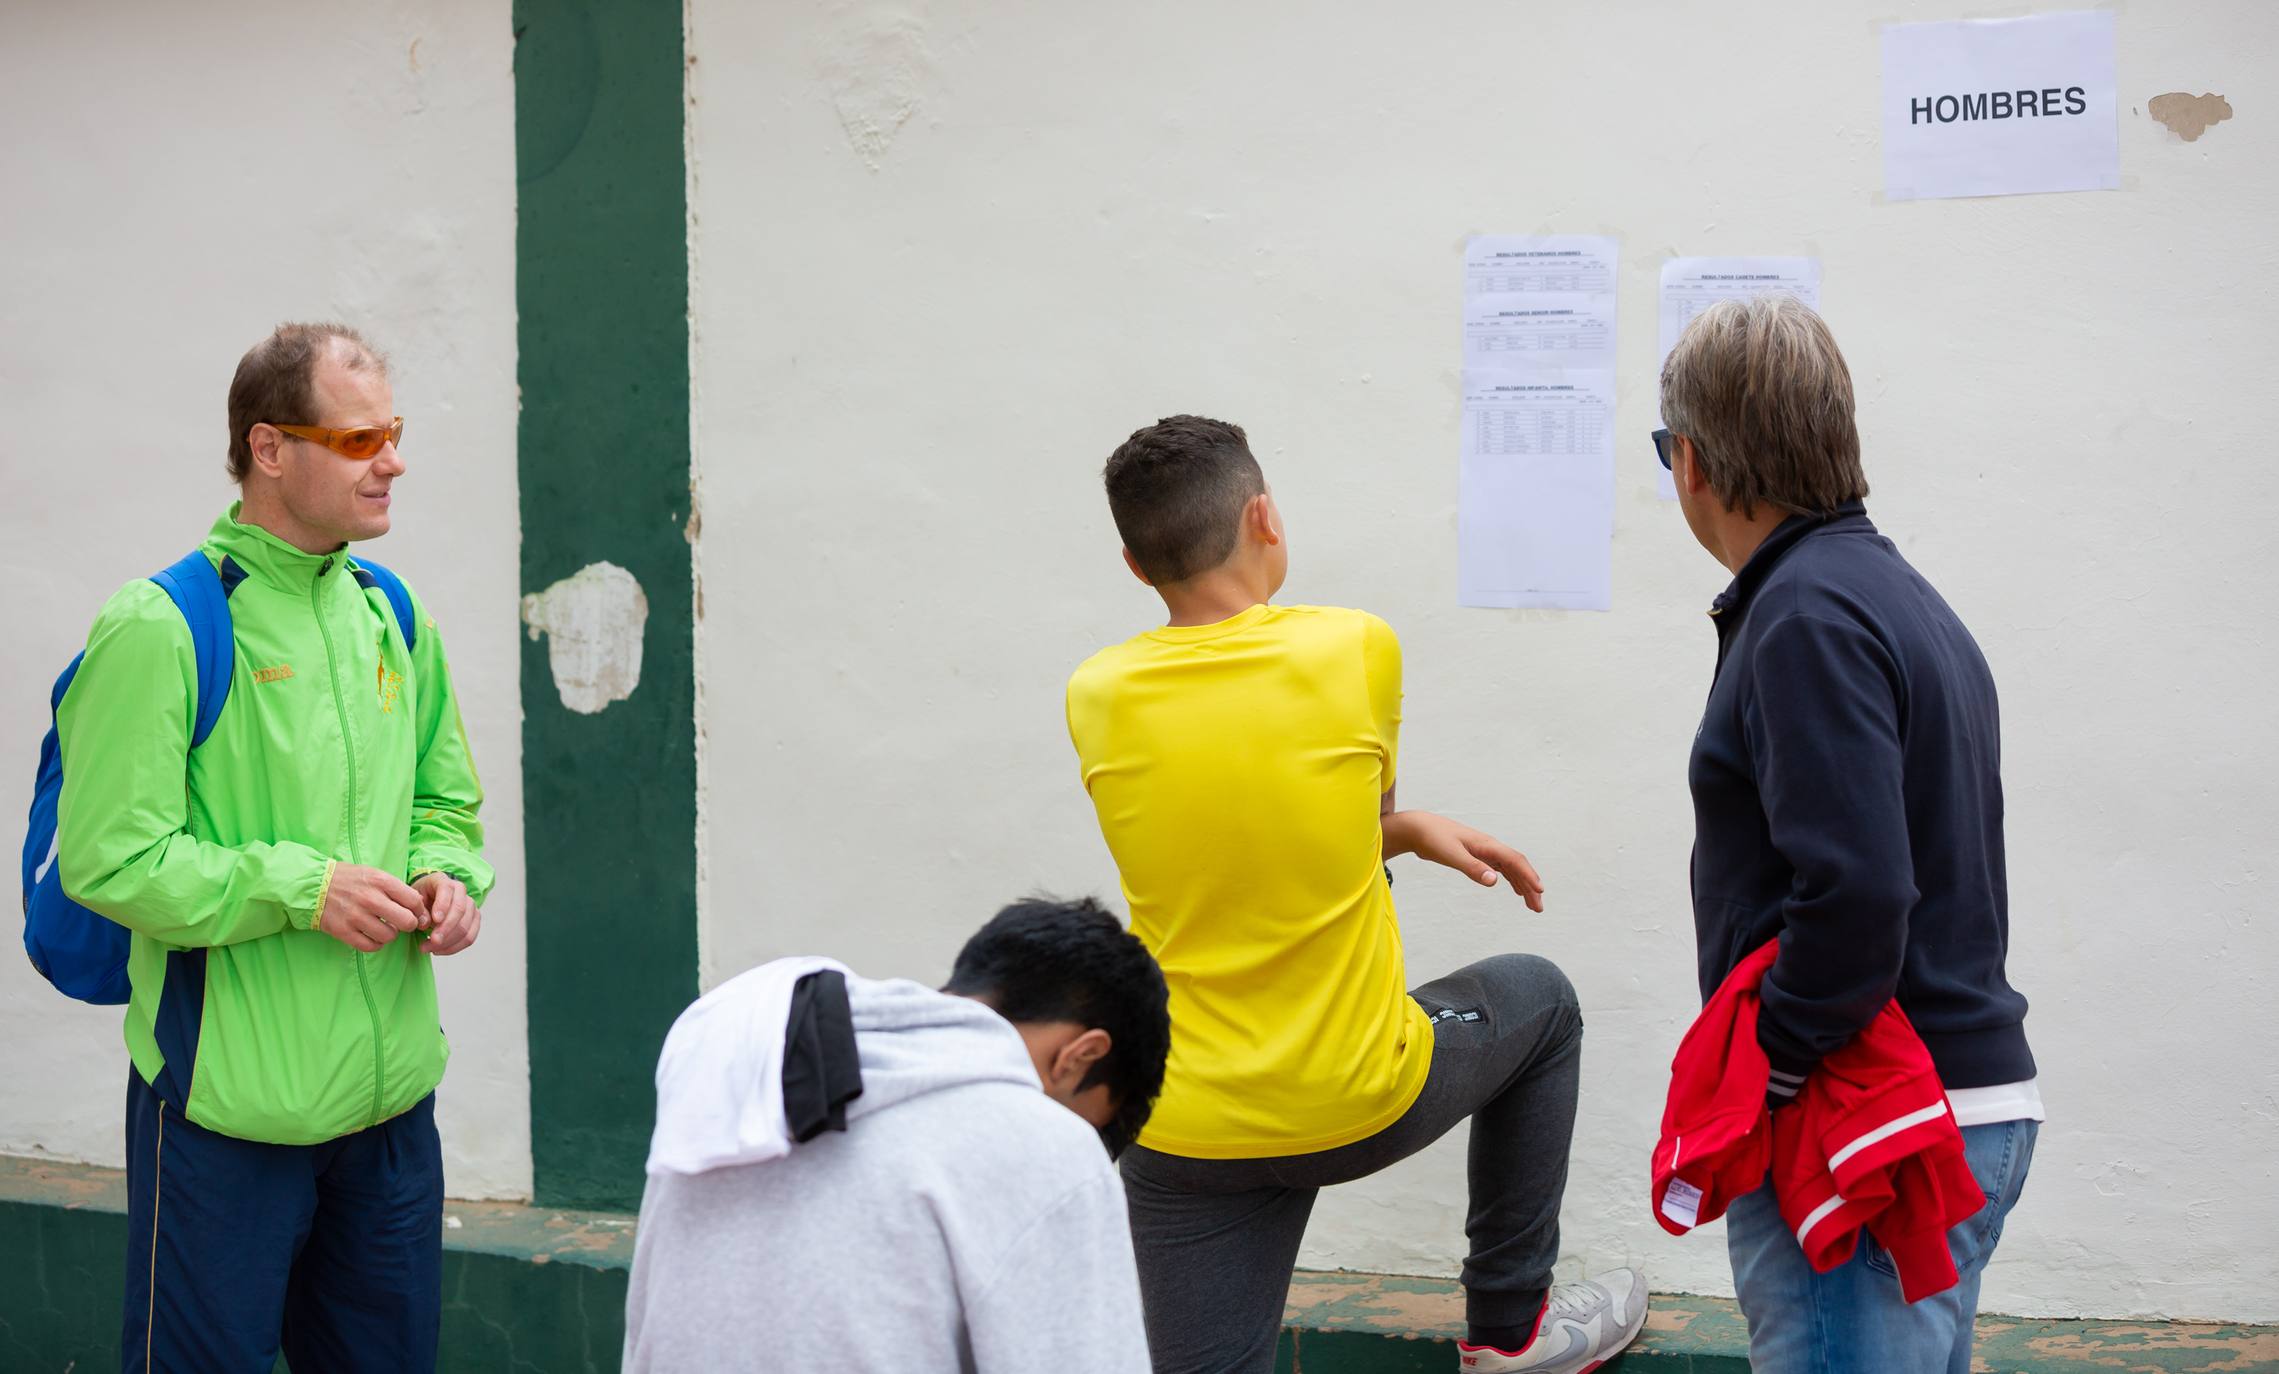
(875, 63)
(2189, 116)
(593, 622)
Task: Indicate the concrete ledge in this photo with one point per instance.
(1382, 1323)
(524, 1288)
(542, 1291)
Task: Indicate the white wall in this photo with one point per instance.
(179, 179)
(949, 253)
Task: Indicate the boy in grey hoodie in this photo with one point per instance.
(859, 1175)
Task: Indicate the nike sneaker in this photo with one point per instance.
(1582, 1327)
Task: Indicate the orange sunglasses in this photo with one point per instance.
(359, 444)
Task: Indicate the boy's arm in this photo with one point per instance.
(1436, 838)
(1452, 844)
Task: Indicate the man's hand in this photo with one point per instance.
(452, 916)
(1478, 856)
(365, 907)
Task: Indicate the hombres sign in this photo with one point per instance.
(1997, 107)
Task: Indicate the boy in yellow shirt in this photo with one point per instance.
(1241, 759)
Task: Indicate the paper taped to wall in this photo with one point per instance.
(2001, 107)
(1692, 285)
(1496, 263)
(1552, 328)
(1535, 522)
(1535, 512)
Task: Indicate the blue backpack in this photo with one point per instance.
(84, 954)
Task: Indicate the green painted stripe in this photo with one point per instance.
(609, 800)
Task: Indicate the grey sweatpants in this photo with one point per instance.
(1217, 1238)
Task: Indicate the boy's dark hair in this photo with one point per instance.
(1043, 959)
(1177, 489)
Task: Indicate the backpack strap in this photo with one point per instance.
(370, 575)
(198, 592)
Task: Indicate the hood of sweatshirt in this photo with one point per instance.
(720, 1077)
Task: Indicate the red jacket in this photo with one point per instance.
(1869, 1141)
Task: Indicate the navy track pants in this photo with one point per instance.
(235, 1249)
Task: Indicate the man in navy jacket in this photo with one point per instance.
(1847, 799)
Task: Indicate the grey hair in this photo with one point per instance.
(1762, 390)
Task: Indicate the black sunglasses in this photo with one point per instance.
(1664, 445)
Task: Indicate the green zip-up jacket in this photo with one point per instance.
(336, 745)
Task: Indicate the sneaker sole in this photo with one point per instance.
(1627, 1337)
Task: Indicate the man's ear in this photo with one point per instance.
(1689, 456)
(1258, 519)
(1077, 1057)
(1133, 564)
(267, 443)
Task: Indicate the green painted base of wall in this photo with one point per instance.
(60, 1309)
(1378, 1323)
(541, 1291)
(1346, 1323)
(524, 1291)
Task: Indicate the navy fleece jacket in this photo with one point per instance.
(1847, 796)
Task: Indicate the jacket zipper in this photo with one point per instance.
(1722, 626)
(348, 752)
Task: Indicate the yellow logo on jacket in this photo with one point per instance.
(391, 686)
(276, 674)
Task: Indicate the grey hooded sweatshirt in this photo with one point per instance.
(963, 1221)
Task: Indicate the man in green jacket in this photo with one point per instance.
(287, 883)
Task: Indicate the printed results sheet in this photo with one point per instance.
(1535, 514)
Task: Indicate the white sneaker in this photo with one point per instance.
(1584, 1325)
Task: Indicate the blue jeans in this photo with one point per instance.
(1852, 1320)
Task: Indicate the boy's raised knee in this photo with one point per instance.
(1533, 979)
(1506, 980)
